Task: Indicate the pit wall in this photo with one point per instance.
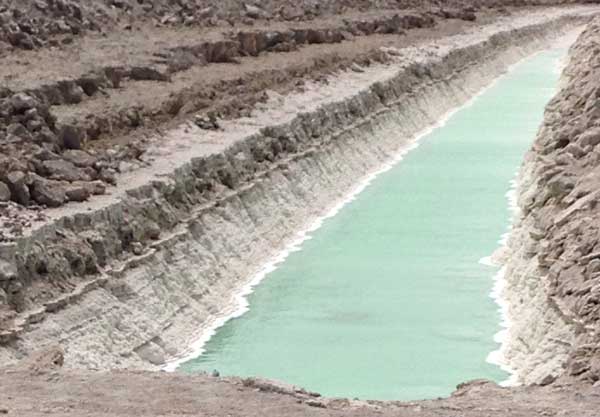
(134, 283)
(553, 267)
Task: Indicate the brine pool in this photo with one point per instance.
(389, 299)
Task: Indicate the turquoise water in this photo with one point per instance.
(388, 299)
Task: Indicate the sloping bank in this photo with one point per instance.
(553, 268)
(129, 279)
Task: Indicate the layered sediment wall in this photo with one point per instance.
(129, 279)
(553, 270)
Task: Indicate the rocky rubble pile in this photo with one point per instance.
(45, 162)
(42, 163)
(30, 24)
(564, 201)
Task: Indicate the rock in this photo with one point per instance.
(463, 14)
(21, 102)
(16, 181)
(316, 403)
(35, 125)
(96, 187)
(590, 137)
(17, 133)
(284, 47)
(126, 166)
(41, 4)
(316, 36)
(356, 68)
(137, 248)
(8, 271)
(577, 367)
(108, 175)
(18, 130)
(71, 137)
(44, 154)
(59, 169)
(77, 192)
(221, 51)
(79, 158)
(43, 361)
(250, 43)
(114, 75)
(120, 4)
(255, 12)
(133, 117)
(593, 266)
(147, 73)
(547, 380)
(205, 13)
(208, 122)
(91, 84)
(71, 92)
(45, 135)
(48, 192)
(31, 114)
(151, 352)
(22, 40)
(4, 192)
(152, 230)
(561, 185)
(575, 150)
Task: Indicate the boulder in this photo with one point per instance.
(58, 169)
(16, 181)
(137, 248)
(96, 187)
(147, 73)
(18, 130)
(45, 135)
(79, 158)
(255, 12)
(48, 192)
(152, 230)
(77, 192)
(43, 154)
(8, 271)
(250, 43)
(22, 102)
(108, 175)
(71, 92)
(4, 192)
(72, 137)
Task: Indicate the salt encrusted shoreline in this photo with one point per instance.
(211, 211)
(551, 267)
(535, 340)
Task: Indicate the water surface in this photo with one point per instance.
(388, 299)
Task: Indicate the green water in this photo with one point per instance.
(388, 299)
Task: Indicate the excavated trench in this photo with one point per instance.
(387, 299)
(199, 223)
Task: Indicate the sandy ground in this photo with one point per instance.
(40, 392)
